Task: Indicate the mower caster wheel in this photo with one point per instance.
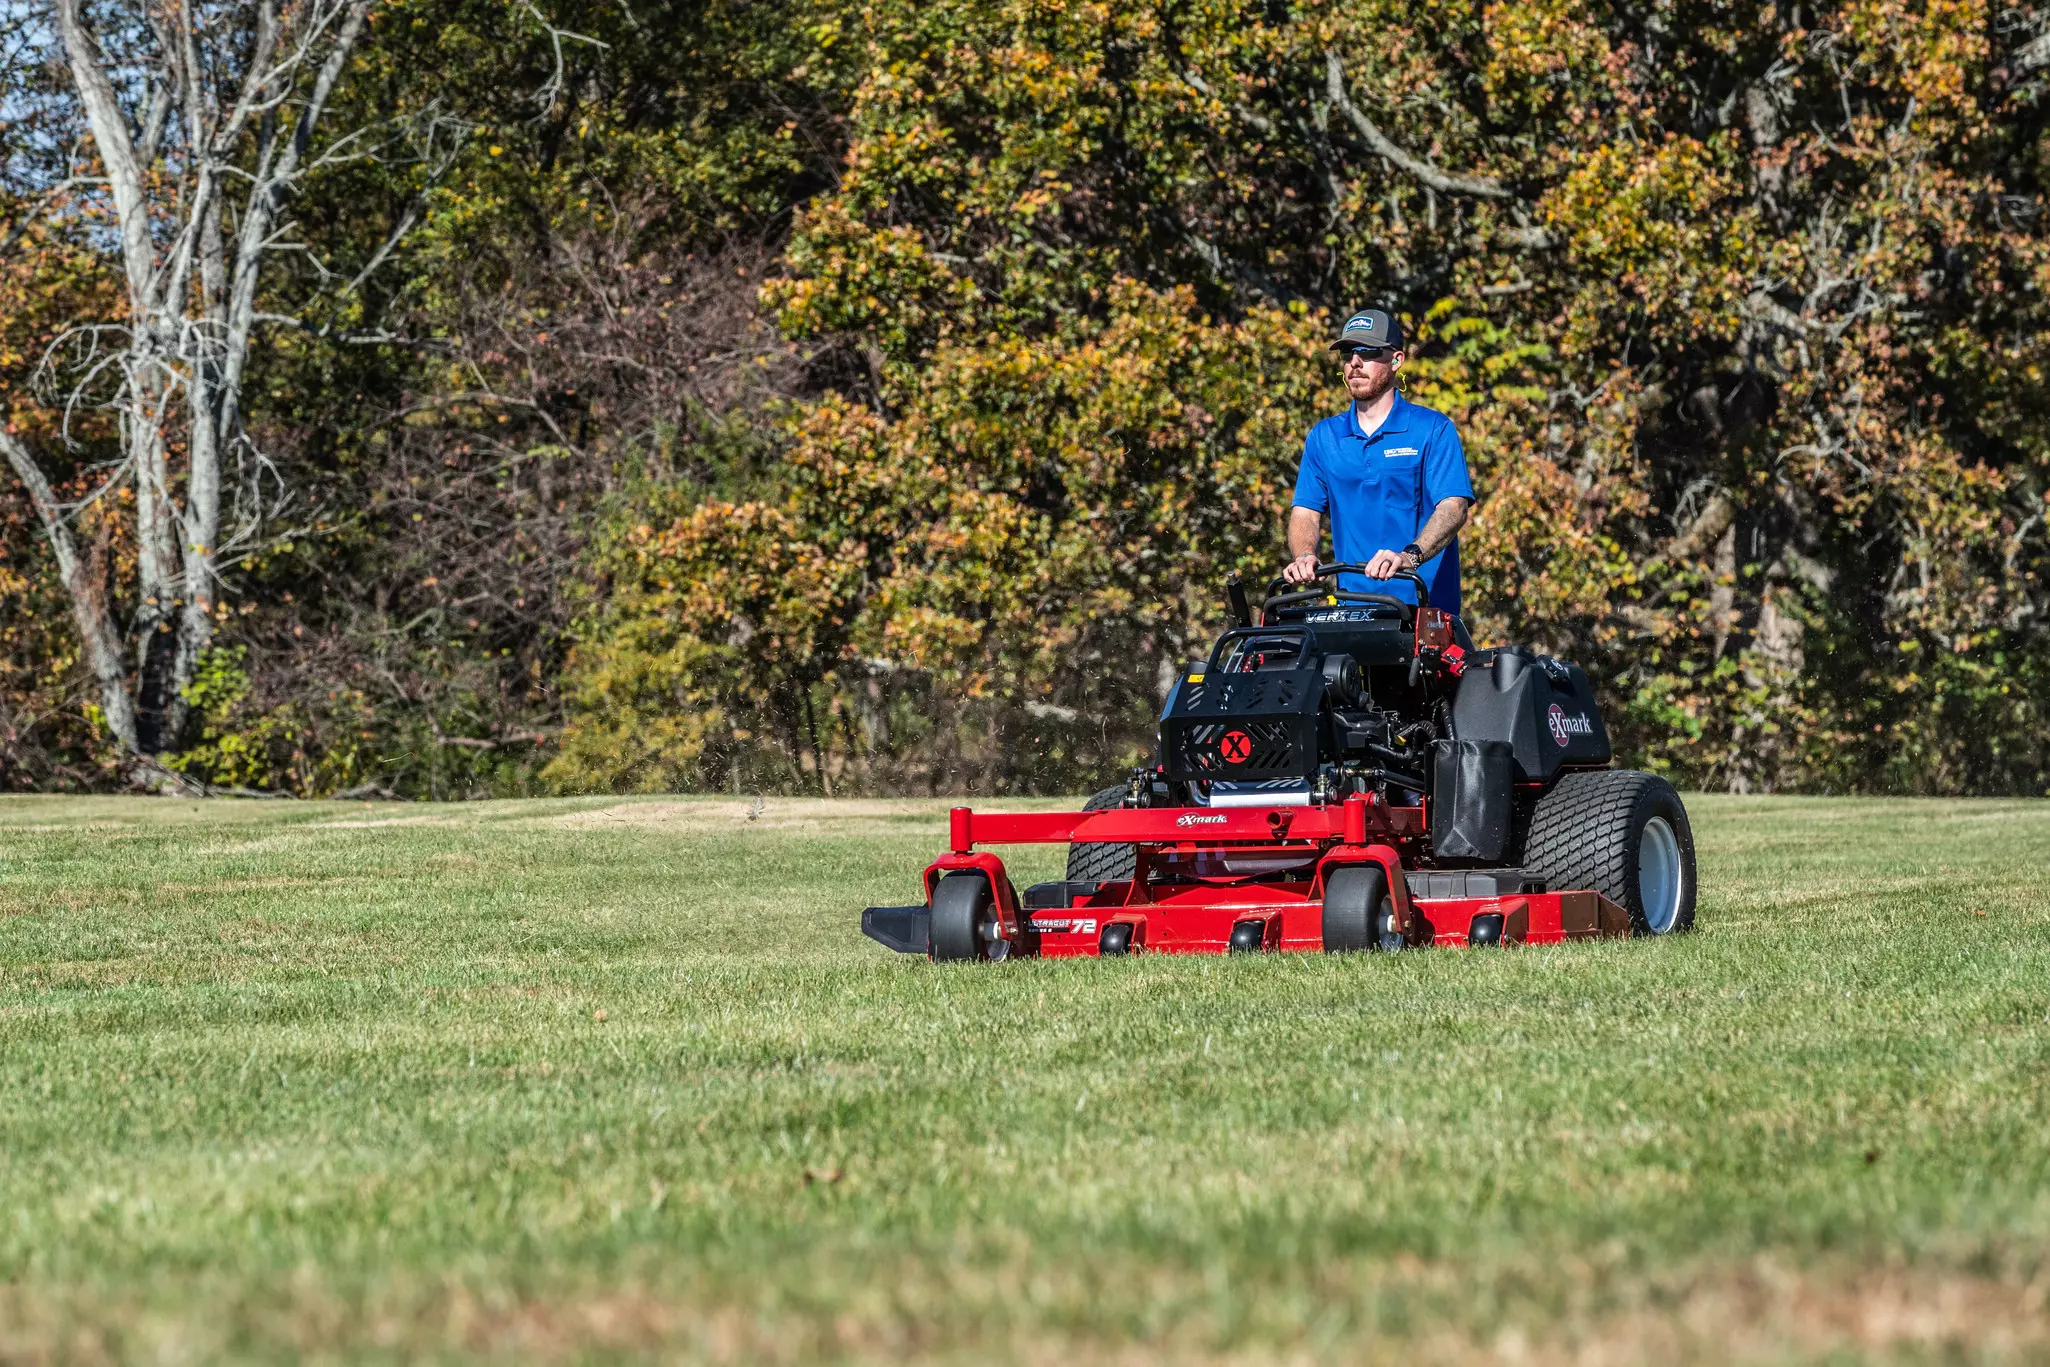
(1247, 937)
(1358, 913)
(1116, 940)
(964, 920)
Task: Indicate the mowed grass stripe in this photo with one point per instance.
(289, 1080)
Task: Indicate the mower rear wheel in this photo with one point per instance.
(1623, 834)
(1098, 862)
(964, 917)
(1358, 913)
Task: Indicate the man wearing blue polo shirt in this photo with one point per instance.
(1390, 474)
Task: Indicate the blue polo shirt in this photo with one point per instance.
(1380, 487)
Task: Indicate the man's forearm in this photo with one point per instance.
(1445, 521)
(1305, 530)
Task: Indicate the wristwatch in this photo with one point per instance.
(1415, 554)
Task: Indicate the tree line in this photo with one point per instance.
(446, 398)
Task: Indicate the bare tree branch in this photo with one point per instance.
(551, 89)
(1444, 182)
(1239, 107)
(117, 150)
(88, 610)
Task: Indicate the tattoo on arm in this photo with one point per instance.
(1444, 524)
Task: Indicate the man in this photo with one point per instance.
(1390, 474)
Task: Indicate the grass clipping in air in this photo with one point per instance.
(578, 1080)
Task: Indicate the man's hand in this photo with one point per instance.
(1301, 570)
(1388, 564)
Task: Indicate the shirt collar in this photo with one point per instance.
(1397, 420)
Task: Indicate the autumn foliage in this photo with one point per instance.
(1740, 313)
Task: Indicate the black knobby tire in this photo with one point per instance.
(1352, 898)
(1101, 863)
(961, 903)
(1600, 830)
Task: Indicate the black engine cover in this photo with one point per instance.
(1543, 708)
(1243, 726)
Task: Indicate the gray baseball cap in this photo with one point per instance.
(1370, 327)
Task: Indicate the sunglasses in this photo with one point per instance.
(1365, 353)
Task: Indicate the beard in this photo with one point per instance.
(1372, 387)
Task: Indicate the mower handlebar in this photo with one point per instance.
(1423, 592)
(1301, 596)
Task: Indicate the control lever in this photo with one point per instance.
(1235, 592)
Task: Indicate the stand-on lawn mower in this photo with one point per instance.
(1348, 774)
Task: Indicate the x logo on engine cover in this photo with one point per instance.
(1236, 747)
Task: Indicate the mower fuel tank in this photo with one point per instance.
(1256, 718)
(1543, 708)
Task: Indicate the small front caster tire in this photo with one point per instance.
(964, 921)
(1358, 913)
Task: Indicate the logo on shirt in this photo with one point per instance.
(1393, 451)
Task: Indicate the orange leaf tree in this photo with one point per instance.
(1740, 313)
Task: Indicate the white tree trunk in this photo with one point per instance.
(251, 90)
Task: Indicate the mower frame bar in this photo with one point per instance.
(1350, 822)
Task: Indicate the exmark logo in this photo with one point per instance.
(1191, 819)
(1565, 727)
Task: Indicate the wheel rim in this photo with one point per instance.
(1658, 875)
(994, 945)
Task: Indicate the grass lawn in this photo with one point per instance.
(592, 1080)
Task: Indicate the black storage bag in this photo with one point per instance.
(1471, 788)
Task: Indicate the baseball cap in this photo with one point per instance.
(1370, 327)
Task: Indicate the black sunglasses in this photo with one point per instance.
(1365, 353)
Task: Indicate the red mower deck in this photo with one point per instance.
(1353, 849)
